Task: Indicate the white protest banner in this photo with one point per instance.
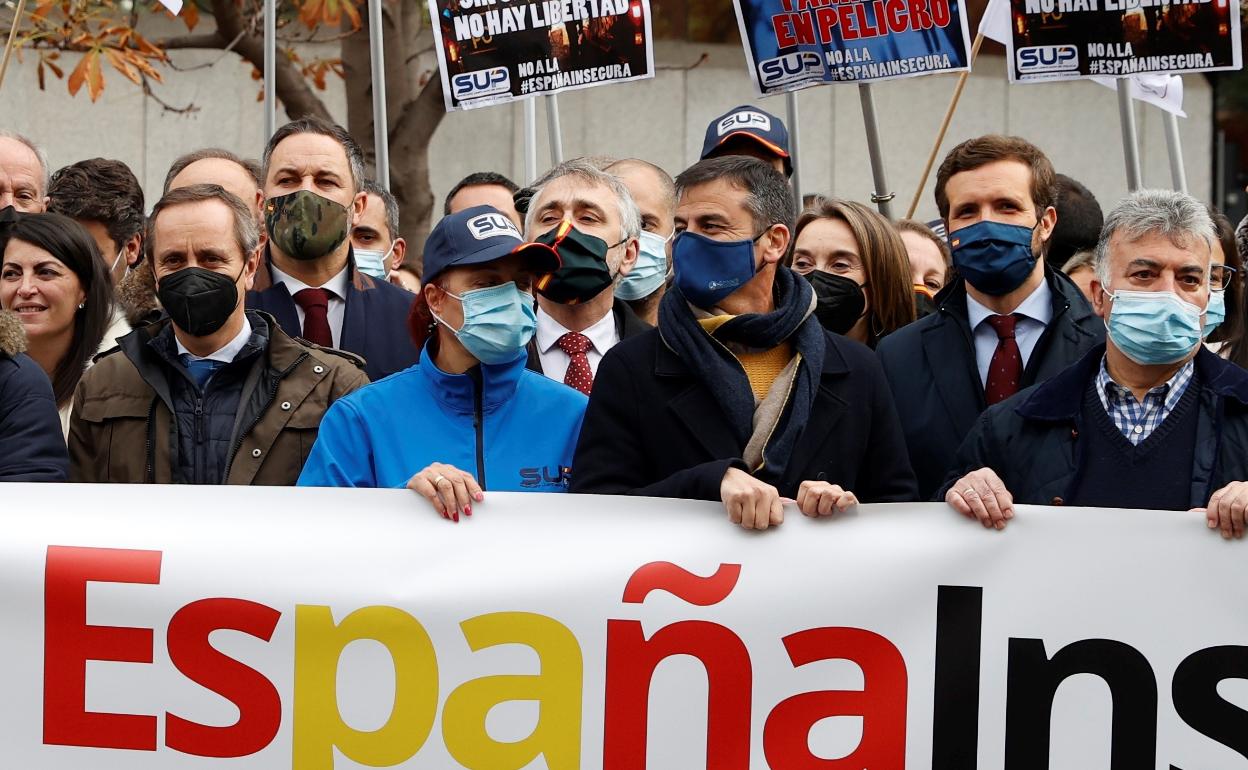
(492, 52)
(173, 628)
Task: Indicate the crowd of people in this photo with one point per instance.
(610, 329)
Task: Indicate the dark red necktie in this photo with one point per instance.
(315, 304)
(579, 375)
(1006, 369)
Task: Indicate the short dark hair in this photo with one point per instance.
(252, 167)
(246, 229)
(983, 150)
(477, 179)
(388, 200)
(311, 124)
(100, 190)
(1079, 221)
(66, 240)
(769, 198)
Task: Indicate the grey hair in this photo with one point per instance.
(40, 155)
(311, 124)
(388, 200)
(768, 196)
(1178, 216)
(1079, 260)
(246, 228)
(667, 185)
(587, 171)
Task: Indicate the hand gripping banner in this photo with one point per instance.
(267, 629)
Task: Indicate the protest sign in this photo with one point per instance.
(496, 51)
(1069, 39)
(792, 44)
(267, 629)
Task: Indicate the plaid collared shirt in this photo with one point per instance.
(1136, 420)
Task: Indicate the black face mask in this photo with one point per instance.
(584, 273)
(839, 301)
(923, 305)
(199, 301)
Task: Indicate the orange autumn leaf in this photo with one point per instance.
(310, 13)
(95, 76)
(190, 15)
(79, 75)
(121, 65)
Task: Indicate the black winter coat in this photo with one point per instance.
(653, 429)
(931, 367)
(1032, 439)
(32, 447)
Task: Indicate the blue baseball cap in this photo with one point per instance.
(754, 124)
(481, 234)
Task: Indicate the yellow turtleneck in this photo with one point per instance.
(762, 367)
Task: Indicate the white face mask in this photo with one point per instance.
(373, 262)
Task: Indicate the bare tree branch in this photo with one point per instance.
(182, 42)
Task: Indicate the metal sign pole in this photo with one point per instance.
(270, 68)
(882, 199)
(381, 124)
(555, 133)
(530, 140)
(795, 156)
(1174, 146)
(1130, 143)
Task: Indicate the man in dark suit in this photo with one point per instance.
(1008, 321)
(740, 395)
(313, 172)
(591, 220)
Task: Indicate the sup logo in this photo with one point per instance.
(492, 226)
(473, 85)
(1047, 58)
(791, 68)
(744, 119)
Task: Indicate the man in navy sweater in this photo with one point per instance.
(1149, 420)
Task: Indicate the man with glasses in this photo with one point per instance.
(1151, 419)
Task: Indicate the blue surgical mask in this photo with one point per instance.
(993, 257)
(1215, 313)
(498, 322)
(650, 270)
(708, 270)
(1153, 327)
(373, 262)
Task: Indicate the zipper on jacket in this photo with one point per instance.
(199, 420)
(478, 422)
(238, 442)
(150, 449)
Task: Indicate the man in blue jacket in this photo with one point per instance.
(313, 171)
(1007, 322)
(1149, 420)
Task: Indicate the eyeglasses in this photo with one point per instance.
(1221, 276)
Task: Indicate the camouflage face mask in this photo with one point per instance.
(306, 226)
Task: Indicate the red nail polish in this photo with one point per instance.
(456, 517)
(468, 510)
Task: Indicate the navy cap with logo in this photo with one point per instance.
(481, 234)
(752, 124)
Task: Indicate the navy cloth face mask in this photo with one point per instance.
(993, 257)
(708, 270)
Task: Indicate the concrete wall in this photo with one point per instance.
(662, 120)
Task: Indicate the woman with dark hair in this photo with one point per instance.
(53, 278)
(470, 413)
(858, 266)
(1227, 337)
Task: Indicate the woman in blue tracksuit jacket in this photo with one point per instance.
(469, 416)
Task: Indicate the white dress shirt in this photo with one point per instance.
(1036, 312)
(602, 337)
(227, 353)
(337, 287)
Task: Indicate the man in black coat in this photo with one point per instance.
(313, 171)
(1149, 420)
(740, 395)
(1006, 322)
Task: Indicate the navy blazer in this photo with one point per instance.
(931, 367)
(374, 326)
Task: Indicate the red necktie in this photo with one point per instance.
(315, 304)
(1006, 369)
(579, 375)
